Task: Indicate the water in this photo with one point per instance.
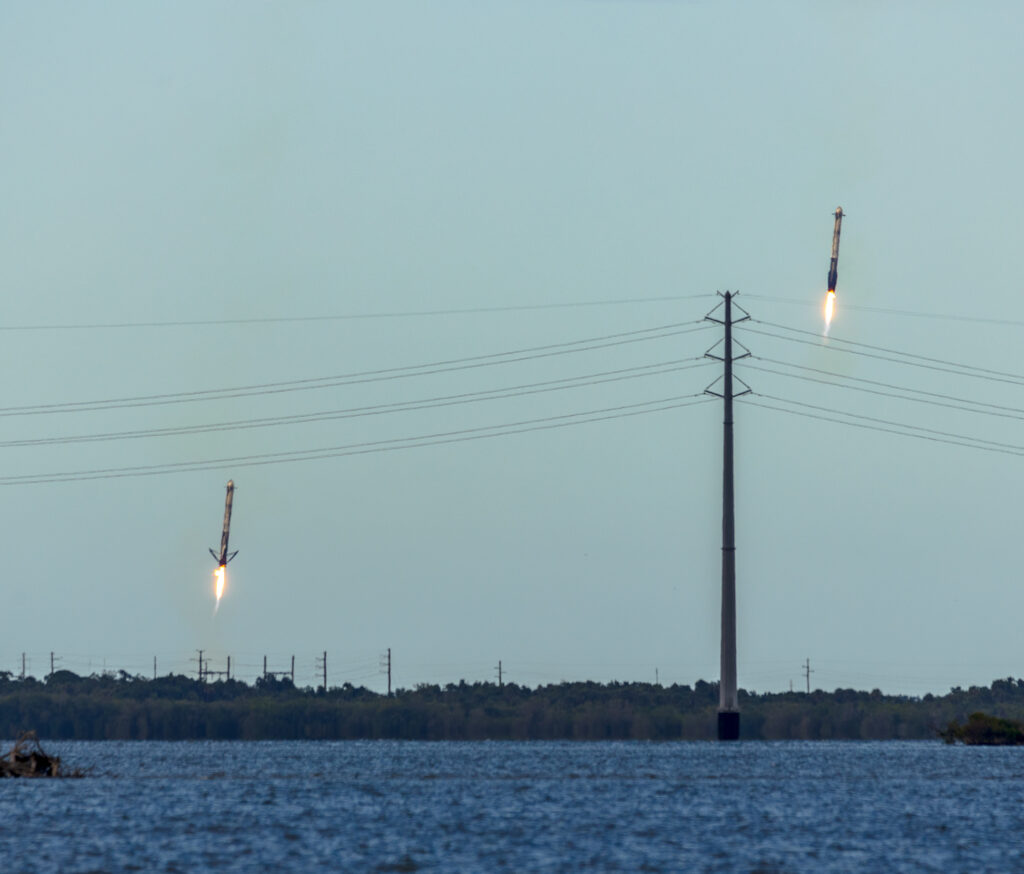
(400, 806)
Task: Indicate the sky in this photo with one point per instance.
(200, 197)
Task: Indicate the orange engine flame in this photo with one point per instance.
(830, 308)
(218, 576)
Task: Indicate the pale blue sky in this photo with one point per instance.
(196, 162)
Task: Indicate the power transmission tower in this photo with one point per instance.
(273, 675)
(728, 702)
(807, 674)
(321, 662)
(385, 666)
(201, 675)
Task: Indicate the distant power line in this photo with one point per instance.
(430, 403)
(890, 350)
(373, 446)
(908, 359)
(900, 392)
(885, 426)
(492, 359)
(922, 314)
(347, 317)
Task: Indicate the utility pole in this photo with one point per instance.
(728, 701)
(807, 673)
(385, 666)
(264, 667)
(293, 670)
(229, 668)
(321, 664)
(51, 662)
(200, 665)
(500, 684)
(154, 667)
(23, 666)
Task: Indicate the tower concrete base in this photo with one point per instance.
(728, 725)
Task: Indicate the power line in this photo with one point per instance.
(362, 377)
(891, 351)
(454, 311)
(952, 439)
(368, 447)
(953, 317)
(996, 410)
(962, 370)
(565, 383)
(979, 440)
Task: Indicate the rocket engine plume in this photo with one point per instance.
(218, 585)
(830, 309)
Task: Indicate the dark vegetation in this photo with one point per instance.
(179, 708)
(987, 731)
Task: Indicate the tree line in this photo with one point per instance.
(125, 707)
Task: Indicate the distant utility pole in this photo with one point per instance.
(807, 673)
(51, 662)
(656, 683)
(500, 684)
(728, 701)
(23, 666)
(385, 667)
(229, 668)
(154, 667)
(322, 663)
(275, 675)
(200, 665)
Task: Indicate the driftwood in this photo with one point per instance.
(28, 759)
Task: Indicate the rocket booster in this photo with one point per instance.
(223, 558)
(833, 267)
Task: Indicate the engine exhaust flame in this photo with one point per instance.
(830, 308)
(218, 585)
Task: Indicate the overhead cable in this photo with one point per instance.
(891, 428)
(361, 377)
(563, 384)
(952, 317)
(372, 446)
(891, 351)
(993, 409)
(402, 314)
(958, 370)
(876, 420)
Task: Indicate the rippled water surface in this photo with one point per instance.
(399, 806)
